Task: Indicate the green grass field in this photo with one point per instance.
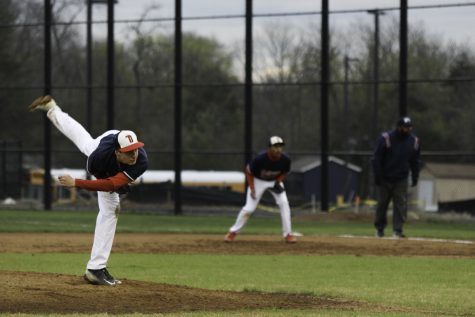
(430, 286)
(80, 221)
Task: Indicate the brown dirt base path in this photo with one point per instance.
(244, 244)
(27, 292)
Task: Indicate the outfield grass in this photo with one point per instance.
(442, 285)
(79, 221)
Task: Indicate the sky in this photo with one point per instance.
(450, 24)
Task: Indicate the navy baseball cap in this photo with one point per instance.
(276, 140)
(404, 122)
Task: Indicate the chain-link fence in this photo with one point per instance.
(363, 88)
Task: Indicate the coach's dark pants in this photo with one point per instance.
(398, 193)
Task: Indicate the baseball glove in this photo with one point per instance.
(278, 188)
(123, 190)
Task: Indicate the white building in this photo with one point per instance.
(445, 183)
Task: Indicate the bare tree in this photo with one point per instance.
(139, 50)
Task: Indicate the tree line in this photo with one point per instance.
(286, 93)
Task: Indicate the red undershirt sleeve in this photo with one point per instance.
(104, 185)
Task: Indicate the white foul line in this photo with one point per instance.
(411, 239)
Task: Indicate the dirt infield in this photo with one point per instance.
(244, 244)
(56, 293)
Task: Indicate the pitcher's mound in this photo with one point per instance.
(27, 292)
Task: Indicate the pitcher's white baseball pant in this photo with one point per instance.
(109, 203)
(260, 186)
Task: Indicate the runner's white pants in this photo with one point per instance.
(260, 186)
(109, 203)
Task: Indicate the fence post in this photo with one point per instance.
(4, 168)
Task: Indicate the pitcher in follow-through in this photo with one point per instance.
(115, 158)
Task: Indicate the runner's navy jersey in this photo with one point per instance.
(264, 168)
(102, 163)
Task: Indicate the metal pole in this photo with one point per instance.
(346, 92)
(376, 74)
(403, 59)
(346, 64)
(374, 129)
(325, 76)
(3, 194)
(89, 67)
(89, 70)
(248, 95)
(178, 106)
(20, 168)
(47, 199)
(375, 118)
(110, 64)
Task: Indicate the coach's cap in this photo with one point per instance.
(404, 122)
(128, 141)
(276, 140)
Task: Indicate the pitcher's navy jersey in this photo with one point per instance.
(102, 163)
(264, 168)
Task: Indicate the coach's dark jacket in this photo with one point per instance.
(395, 155)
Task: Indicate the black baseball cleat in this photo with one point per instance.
(100, 277)
(399, 235)
(380, 233)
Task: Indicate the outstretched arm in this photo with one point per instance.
(104, 185)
